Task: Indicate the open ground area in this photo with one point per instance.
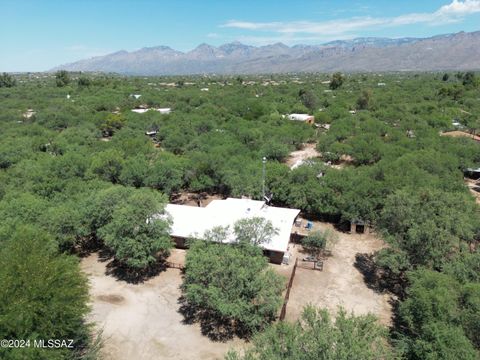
(474, 187)
(141, 321)
(298, 157)
(340, 283)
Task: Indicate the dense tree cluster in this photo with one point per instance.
(233, 285)
(7, 80)
(319, 336)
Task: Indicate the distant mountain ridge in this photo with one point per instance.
(459, 51)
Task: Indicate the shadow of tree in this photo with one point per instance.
(377, 278)
(131, 275)
(342, 226)
(84, 246)
(213, 326)
(105, 254)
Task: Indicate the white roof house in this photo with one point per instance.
(191, 221)
(140, 111)
(164, 110)
(300, 117)
(160, 110)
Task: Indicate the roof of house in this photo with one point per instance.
(140, 111)
(300, 117)
(190, 221)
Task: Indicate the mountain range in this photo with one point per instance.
(459, 51)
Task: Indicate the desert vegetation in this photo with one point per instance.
(80, 171)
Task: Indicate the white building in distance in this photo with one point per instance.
(309, 119)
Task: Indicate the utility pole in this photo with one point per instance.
(264, 161)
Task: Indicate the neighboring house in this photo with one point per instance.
(309, 119)
(143, 109)
(29, 113)
(472, 173)
(410, 134)
(458, 125)
(191, 221)
(140, 111)
(163, 110)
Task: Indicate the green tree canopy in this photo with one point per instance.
(429, 225)
(62, 78)
(255, 230)
(336, 81)
(318, 336)
(7, 80)
(44, 295)
(232, 283)
(136, 236)
(317, 241)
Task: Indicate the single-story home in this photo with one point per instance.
(191, 221)
(144, 108)
(309, 119)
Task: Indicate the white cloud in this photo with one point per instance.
(460, 8)
(453, 12)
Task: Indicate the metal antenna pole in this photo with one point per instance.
(264, 161)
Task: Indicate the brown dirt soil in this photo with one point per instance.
(474, 187)
(141, 321)
(309, 151)
(457, 133)
(340, 283)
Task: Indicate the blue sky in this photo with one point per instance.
(37, 35)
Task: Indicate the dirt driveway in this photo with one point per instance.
(340, 283)
(141, 321)
(298, 157)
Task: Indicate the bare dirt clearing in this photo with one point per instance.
(141, 321)
(457, 133)
(474, 187)
(340, 283)
(298, 157)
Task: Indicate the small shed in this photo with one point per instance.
(358, 226)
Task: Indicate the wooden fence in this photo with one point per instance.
(287, 294)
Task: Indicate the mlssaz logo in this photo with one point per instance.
(54, 343)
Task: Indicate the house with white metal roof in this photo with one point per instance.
(309, 119)
(193, 222)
